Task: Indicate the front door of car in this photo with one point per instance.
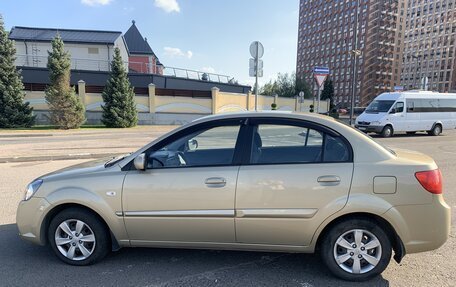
(187, 192)
(298, 175)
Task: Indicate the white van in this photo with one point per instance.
(410, 112)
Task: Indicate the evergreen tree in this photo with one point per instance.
(119, 110)
(67, 110)
(286, 85)
(328, 92)
(13, 111)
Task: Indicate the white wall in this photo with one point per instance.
(81, 58)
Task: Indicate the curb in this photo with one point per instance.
(58, 157)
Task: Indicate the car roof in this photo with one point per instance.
(268, 114)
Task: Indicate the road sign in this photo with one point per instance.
(301, 94)
(320, 78)
(256, 49)
(253, 68)
(321, 70)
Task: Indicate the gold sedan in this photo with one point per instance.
(260, 181)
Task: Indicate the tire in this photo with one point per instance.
(90, 245)
(347, 270)
(436, 130)
(387, 132)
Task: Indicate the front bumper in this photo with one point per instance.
(422, 227)
(369, 128)
(29, 218)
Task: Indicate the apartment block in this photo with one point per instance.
(326, 37)
(429, 45)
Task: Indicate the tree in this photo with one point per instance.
(13, 111)
(286, 85)
(67, 110)
(328, 92)
(119, 110)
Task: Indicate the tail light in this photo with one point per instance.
(431, 180)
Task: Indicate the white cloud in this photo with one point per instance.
(168, 5)
(96, 2)
(177, 53)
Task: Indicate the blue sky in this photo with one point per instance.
(209, 35)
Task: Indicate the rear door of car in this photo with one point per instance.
(296, 174)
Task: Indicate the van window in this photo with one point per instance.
(399, 107)
(379, 106)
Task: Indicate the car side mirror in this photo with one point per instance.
(140, 162)
(393, 111)
(192, 144)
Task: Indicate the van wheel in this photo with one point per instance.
(78, 237)
(356, 250)
(387, 132)
(436, 130)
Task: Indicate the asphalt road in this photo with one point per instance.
(23, 264)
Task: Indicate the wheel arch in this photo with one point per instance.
(59, 208)
(396, 242)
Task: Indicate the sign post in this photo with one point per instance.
(301, 100)
(320, 75)
(256, 66)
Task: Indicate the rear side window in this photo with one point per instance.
(286, 144)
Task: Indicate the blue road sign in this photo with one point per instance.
(321, 70)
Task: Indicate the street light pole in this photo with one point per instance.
(356, 53)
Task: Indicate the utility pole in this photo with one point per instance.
(356, 53)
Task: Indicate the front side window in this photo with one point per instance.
(399, 107)
(208, 147)
(286, 144)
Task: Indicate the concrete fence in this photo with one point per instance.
(157, 108)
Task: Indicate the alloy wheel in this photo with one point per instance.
(357, 251)
(75, 239)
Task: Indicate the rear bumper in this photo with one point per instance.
(421, 227)
(369, 128)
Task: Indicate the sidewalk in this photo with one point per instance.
(44, 145)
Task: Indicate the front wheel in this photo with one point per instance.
(387, 132)
(78, 237)
(356, 250)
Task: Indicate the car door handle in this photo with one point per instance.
(215, 182)
(329, 180)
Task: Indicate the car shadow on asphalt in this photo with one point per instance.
(23, 264)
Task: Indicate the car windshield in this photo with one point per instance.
(379, 106)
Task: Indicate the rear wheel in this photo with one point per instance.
(387, 131)
(78, 237)
(436, 130)
(356, 250)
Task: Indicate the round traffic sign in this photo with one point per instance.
(301, 94)
(256, 49)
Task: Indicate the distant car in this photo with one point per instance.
(266, 181)
(409, 112)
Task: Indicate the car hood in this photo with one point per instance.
(366, 117)
(78, 169)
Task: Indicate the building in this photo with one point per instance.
(89, 49)
(429, 45)
(141, 57)
(326, 37)
(160, 99)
